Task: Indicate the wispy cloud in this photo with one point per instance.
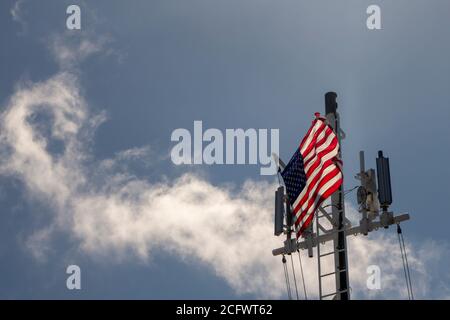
(71, 49)
(113, 213)
(17, 14)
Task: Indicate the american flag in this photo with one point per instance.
(313, 174)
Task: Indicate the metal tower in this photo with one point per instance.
(369, 199)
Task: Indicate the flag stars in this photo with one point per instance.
(294, 176)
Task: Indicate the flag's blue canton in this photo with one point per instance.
(294, 176)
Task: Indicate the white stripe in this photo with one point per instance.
(310, 181)
(322, 190)
(325, 145)
(313, 208)
(311, 153)
(311, 135)
(327, 170)
(315, 172)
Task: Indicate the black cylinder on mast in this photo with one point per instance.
(330, 102)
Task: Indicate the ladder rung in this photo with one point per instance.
(326, 254)
(331, 252)
(334, 293)
(329, 274)
(328, 295)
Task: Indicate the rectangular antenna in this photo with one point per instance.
(384, 181)
(279, 211)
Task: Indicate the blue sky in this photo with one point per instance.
(95, 186)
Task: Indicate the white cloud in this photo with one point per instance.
(17, 14)
(39, 243)
(113, 213)
(70, 49)
(134, 153)
(189, 216)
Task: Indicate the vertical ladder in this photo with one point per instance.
(320, 256)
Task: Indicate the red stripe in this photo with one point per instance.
(305, 225)
(319, 131)
(322, 198)
(317, 145)
(311, 201)
(328, 193)
(313, 135)
(323, 180)
(308, 133)
(313, 139)
(319, 156)
(312, 183)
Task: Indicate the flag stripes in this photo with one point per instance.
(319, 151)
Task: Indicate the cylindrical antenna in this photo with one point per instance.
(330, 102)
(362, 165)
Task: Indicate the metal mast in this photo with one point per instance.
(369, 198)
(338, 208)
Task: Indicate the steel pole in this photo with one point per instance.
(338, 209)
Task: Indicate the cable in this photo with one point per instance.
(407, 268)
(350, 190)
(404, 266)
(406, 260)
(303, 277)
(406, 271)
(407, 265)
(330, 205)
(286, 277)
(295, 279)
